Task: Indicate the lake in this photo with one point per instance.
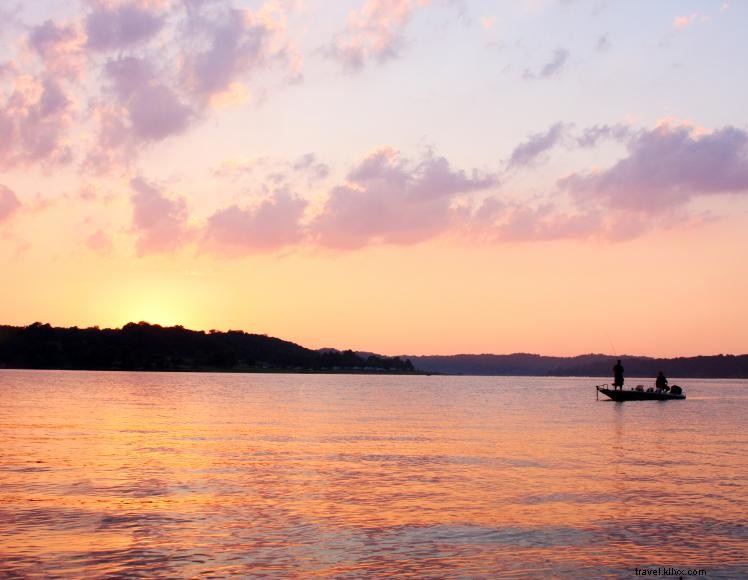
(185, 475)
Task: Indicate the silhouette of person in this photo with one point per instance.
(661, 382)
(618, 375)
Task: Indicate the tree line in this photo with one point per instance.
(143, 346)
(587, 365)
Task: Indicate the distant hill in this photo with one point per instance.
(588, 365)
(144, 346)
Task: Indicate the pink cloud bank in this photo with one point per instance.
(271, 225)
(666, 167)
(131, 73)
(390, 199)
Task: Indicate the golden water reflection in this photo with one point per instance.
(185, 475)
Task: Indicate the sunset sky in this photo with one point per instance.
(399, 176)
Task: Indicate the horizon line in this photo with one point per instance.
(458, 354)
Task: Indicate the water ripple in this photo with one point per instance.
(138, 475)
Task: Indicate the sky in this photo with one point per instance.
(399, 176)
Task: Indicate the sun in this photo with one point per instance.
(155, 310)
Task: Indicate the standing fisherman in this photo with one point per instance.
(618, 375)
(661, 382)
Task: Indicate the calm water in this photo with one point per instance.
(206, 475)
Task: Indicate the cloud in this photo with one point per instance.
(59, 47)
(666, 167)
(390, 199)
(147, 70)
(233, 168)
(528, 152)
(38, 110)
(100, 242)
(34, 121)
(373, 32)
(311, 167)
(228, 44)
(271, 225)
(9, 203)
(209, 51)
(154, 110)
(603, 43)
(305, 170)
(387, 198)
(142, 110)
(546, 222)
(681, 22)
(552, 67)
(235, 45)
(160, 222)
(592, 135)
(116, 27)
(542, 219)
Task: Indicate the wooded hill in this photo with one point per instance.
(144, 346)
(588, 365)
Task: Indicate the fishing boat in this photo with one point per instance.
(641, 394)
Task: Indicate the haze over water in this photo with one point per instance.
(207, 475)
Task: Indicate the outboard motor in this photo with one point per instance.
(676, 390)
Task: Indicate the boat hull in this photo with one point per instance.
(631, 395)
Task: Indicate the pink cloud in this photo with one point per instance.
(39, 109)
(60, 48)
(373, 32)
(681, 22)
(234, 46)
(160, 222)
(501, 221)
(528, 152)
(115, 144)
(9, 203)
(389, 199)
(34, 121)
(309, 165)
(271, 225)
(117, 27)
(138, 92)
(228, 44)
(154, 110)
(553, 67)
(546, 222)
(99, 242)
(592, 135)
(666, 167)
(209, 52)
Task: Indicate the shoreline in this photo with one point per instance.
(279, 371)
